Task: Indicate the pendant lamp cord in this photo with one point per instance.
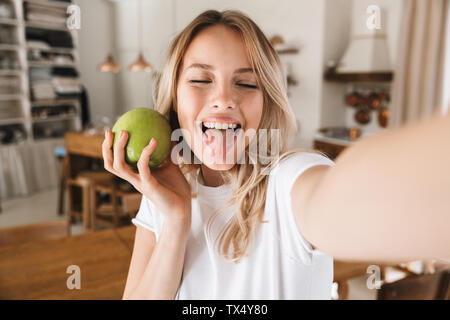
(139, 7)
(112, 27)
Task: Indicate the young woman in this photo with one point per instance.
(229, 230)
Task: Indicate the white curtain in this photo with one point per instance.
(418, 87)
(28, 167)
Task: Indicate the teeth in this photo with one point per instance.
(220, 126)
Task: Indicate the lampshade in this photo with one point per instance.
(140, 64)
(109, 65)
(366, 53)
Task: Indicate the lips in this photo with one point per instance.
(223, 120)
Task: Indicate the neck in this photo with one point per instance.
(211, 178)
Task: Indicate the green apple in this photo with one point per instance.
(143, 124)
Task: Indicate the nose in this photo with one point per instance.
(223, 97)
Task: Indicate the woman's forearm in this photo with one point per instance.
(387, 197)
(161, 278)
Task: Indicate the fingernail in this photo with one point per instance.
(122, 134)
(106, 133)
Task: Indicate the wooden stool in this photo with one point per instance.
(63, 176)
(124, 203)
(85, 181)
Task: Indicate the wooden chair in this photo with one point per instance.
(122, 206)
(35, 232)
(85, 181)
(418, 287)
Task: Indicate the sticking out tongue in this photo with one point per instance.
(219, 142)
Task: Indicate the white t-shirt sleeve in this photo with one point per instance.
(148, 217)
(288, 171)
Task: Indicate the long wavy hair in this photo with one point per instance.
(248, 179)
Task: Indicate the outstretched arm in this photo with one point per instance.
(386, 199)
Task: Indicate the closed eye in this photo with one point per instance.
(250, 86)
(200, 81)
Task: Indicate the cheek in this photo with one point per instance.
(253, 110)
(189, 105)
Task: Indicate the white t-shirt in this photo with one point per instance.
(280, 263)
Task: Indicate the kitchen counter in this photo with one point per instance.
(338, 141)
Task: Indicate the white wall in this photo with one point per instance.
(94, 44)
(157, 23)
(337, 29)
(391, 14)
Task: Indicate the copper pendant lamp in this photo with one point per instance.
(140, 64)
(109, 65)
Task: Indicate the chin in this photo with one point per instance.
(218, 167)
(219, 162)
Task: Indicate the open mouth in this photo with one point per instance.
(220, 140)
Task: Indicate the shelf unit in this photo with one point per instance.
(23, 99)
(332, 75)
(9, 21)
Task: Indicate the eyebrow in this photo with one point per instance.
(209, 67)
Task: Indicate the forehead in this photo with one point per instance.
(219, 46)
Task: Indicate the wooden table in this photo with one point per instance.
(83, 143)
(81, 148)
(84, 153)
(38, 270)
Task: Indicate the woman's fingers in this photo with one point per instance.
(107, 151)
(142, 164)
(119, 152)
(119, 164)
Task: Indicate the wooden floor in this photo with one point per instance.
(39, 270)
(41, 207)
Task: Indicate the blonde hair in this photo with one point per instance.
(247, 179)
